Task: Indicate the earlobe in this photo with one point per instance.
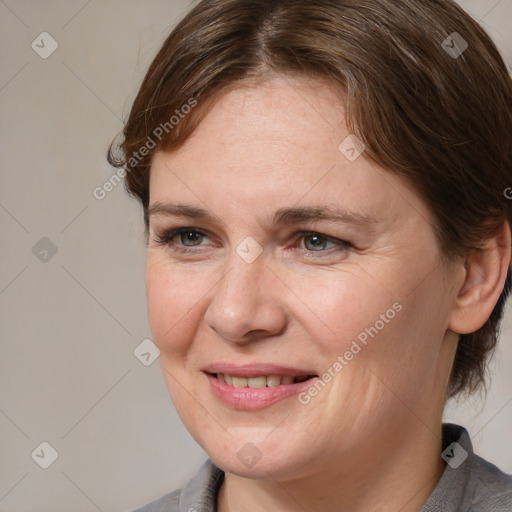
(485, 274)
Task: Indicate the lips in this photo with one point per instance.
(257, 370)
(256, 386)
(260, 381)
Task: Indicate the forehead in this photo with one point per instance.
(298, 113)
(277, 143)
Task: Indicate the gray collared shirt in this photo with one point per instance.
(468, 484)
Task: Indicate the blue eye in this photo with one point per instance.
(190, 238)
(187, 237)
(317, 242)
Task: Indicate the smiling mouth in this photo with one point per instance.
(260, 381)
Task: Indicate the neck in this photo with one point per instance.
(398, 476)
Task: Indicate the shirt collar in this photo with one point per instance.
(200, 494)
(450, 494)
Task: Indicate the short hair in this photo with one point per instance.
(424, 88)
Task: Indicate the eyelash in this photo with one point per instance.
(166, 239)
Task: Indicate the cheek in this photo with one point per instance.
(342, 306)
(391, 328)
(403, 357)
(172, 296)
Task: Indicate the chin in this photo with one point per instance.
(252, 467)
(263, 461)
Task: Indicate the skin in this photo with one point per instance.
(371, 439)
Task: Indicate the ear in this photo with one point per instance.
(484, 278)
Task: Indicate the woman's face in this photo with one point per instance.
(300, 259)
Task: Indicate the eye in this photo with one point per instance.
(316, 242)
(190, 238)
(181, 238)
(186, 239)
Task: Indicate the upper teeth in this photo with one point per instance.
(263, 381)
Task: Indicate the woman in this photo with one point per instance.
(329, 248)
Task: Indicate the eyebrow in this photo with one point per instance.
(283, 216)
(180, 210)
(315, 213)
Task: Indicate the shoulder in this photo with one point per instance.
(491, 488)
(167, 503)
(469, 483)
(200, 493)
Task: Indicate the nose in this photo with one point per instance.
(245, 305)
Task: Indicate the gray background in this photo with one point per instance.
(70, 321)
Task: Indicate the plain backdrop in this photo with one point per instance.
(72, 296)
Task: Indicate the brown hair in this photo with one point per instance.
(427, 108)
